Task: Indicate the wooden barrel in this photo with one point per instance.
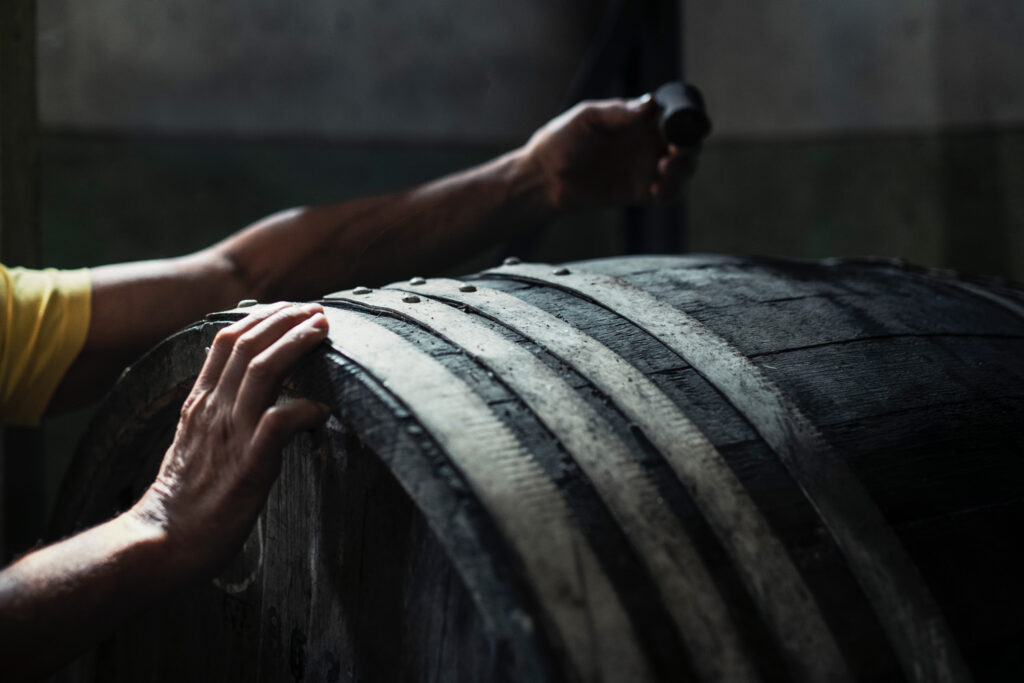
(656, 468)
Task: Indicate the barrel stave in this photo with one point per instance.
(884, 386)
(789, 514)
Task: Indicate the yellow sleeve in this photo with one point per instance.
(43, 325)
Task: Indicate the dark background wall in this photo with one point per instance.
(890, 128)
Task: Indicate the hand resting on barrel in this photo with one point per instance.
(609, 152)
(226, 452)
(213, 482)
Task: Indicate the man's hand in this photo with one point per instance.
(57, 601)
(227, 450)
(607, 153)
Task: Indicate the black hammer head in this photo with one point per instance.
(684, 121)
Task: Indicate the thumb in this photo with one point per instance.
(619, 112)
(279, 423)
(643, 104)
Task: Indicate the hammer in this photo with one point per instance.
(684, 122)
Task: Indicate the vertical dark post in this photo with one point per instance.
(22, 494)
(974, 207)
(679, 46)
(637, 48)
(656, 58)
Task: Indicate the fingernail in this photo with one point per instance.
(642, 101)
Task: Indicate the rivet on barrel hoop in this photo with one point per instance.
(361, 290)
(417, 281)
(467, 288)
(511, 261)
(246, 303)
(411, 299)
(560, 271)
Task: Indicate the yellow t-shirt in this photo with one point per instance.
(43, 325)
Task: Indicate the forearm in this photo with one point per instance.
(305, 253)
(58, 601)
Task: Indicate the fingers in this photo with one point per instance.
(662, 180)
(226, 451)
(607, 153)
(673, 169)
(257, 339)
(643, 105)
(679, 162)
(264, 373)
(614, 113)
(279, 423)
(224, 343)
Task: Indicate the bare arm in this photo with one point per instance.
(57, 601)
(603, 153)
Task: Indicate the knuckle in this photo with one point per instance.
(279, 423)
(289, 312)
(193, 404)
(246, 344)
(582, 112)
(260, 369)
(209, 413)
(275, 418)
(303, 334)
(225, 337)
(189, 406)
(586, 112)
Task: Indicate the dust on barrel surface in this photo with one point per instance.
(646, 468)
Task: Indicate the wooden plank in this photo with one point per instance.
(683, 579)
(902, 602)
(760, 557)
(572, 587)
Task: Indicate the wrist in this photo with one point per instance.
(145, 524)
(149, 542)
(531, 183)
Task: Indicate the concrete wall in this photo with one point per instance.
(785, 67)
(853, 128)
(450, 69)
